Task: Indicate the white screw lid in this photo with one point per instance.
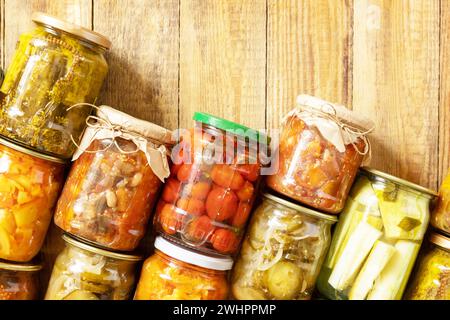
(188, 256)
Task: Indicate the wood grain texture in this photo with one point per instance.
(444, 96)
(308, 51)
(396, 82)
(143, 77)
(222, 60)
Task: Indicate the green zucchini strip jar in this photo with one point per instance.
(377, 238)
(56, 65)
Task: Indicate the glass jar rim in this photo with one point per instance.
(440, 240)
(27, 267)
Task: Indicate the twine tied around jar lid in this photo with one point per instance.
(337, 124)
(110, 123)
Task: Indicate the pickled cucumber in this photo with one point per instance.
(81, 295)
(283, 280)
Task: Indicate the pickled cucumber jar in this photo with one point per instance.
(30, 183)
(84, 272)
(432, 278)
(440, 218)
(208, 198)
(19, 281)
(322, 145)
(282, 252)
(56, 65)
(377, 238)
(177, 273)
(114, 181)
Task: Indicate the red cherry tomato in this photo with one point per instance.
(192, 206)
(171, 190)
(224, 241)
(242, 214)
(246, 193)
(187, 172)
(221, 204)
(249, 171)
(174, 169)
(199, 229)
(226, 177)
(200, 190)
(169, 219)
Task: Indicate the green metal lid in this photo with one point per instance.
(235, 128)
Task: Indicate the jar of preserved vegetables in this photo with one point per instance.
(321, 148)
(29, 187)
(56, 65)
(83, 272)
(177, 273)
(377, 238)
(441, 215)
(114, 180)
(432, 278)
(19, 281)
(282, 252)
(207, 200)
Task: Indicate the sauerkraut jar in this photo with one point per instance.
(322, 145)
(432, 278)
(114, 181)
(177, 273)
(377, 238)
(56, 65)
(208, 198)
(440, 218)
(282, 252)
(29, 187)
(83, 272)
(19, 281)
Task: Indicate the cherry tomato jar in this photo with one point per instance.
(19, 281)
(30, 183)
(177, 273)
(322, 145)
(208, 198)
(114, 181)
(440, 218)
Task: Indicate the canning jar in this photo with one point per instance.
(321, 148)
(177, 273)
(282, 252)
(84, 272)
(56, 65)
(29, 187)
(19, 281)
(377, 238)
(209, 196)
(432, 278)
(440, 219)
(114, 181)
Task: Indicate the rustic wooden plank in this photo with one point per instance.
(222, 60)
(308, 51)
(444, 98)
(396, 82)
(143, 77)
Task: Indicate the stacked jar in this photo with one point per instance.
(55, 66)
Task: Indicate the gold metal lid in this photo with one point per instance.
(20, 148)
(299, 208)
(76, 30)
(82, 245)
(440, 240)
(28, 267)
(369, 171)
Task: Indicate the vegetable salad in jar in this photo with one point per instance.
(282, 252)
(19, 281)
(377, 239)
(440, 218)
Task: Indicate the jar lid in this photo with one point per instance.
(299, 208)
(369, 171)
(440, 240)
(188, 256)
(76, 30)
(83, 245)
(235, 128)
(27, 267)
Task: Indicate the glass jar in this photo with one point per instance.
(282, 252)
(19, 281)
(112, 187)
(207, 200)
(55, 66)
(318, 156)
(377, 238)
(83, 272)
(432, 278)
(176, 273)
(440, 218)
(29, 187)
